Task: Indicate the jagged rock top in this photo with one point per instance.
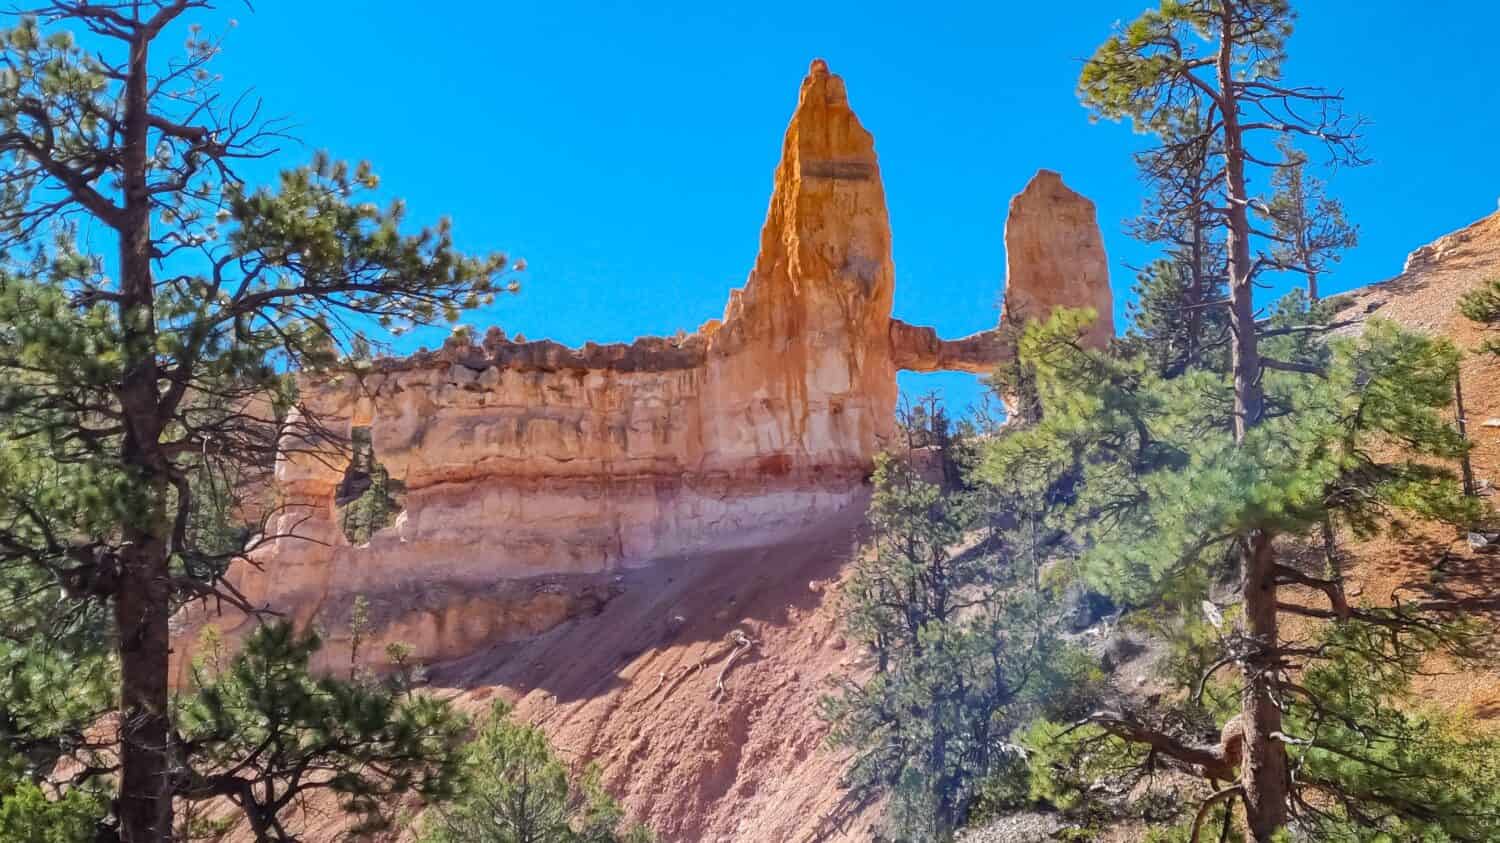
(824, 279)
(646, 354)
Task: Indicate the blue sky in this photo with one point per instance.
(626, 152)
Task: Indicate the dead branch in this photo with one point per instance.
(1225, 794)
(743, 643)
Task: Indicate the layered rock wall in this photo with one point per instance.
(523, 461)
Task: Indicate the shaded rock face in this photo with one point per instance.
(524, 460)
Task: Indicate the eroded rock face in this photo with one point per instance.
(1054, 256)
(522, 460)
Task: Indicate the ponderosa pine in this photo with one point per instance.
(150, 299)
(1159, 497)
(1308, 226)
(1211, 70)
(950, 605)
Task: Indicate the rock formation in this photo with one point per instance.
(1054, 255)
(525, 463)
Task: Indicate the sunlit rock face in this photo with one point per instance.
(526, 461)
(1054, 256)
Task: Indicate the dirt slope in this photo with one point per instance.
(633, 688)
(1435, 564)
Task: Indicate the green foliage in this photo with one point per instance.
(964, 650)
(54, 653)
(516, 790)
(1194, 643)
(1483, 305)
(1396, 771)
(262, 731)
(369, 499)
(1003, 789)
(27, 815)
(1151, 492)
(1371, 763)
(58, 673)
(1066, 760)
(1141, 72)
(1162, 323)
(1015, 382)
(1213, 826)
(1161, 489)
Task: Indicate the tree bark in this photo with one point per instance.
(1196, 286)
(1461, 415)
(1304, 252)
(1263, 772)
(143, 595)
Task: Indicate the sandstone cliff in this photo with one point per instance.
(530, 470)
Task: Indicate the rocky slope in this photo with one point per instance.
(1433, 564)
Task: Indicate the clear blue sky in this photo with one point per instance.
(626, 149)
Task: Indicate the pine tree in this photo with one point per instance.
(57, 660)
(1175, 322)
(29, 815)
(1160, 498)
(964, 650)
(516, 790)
(1210, 71)
(148, 300)
(1180, 302)
(259, 730)
(1307, 225)
(1482, 305)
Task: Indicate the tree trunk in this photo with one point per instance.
(1330, 548)
(1263, 772)
(1304, 252)
(145, 808)
(143, 595)
(1249, 398)
(1196, 288)
(1461, 414)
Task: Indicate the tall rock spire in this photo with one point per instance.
(1054, 256)
(827, 225)
(807, 335)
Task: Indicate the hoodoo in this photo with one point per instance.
(527, 467)
(1054, 255)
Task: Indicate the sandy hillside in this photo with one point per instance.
(1435, 565)
(634, 689)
